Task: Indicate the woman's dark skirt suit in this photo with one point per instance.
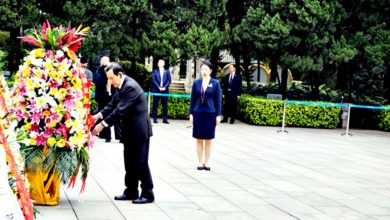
(205, 106)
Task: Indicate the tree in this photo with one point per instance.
(16, 16)
(117, 26)
(292, 34)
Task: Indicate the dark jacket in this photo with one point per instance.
(213, 98)
(233, 88)
(156, 79)
(129, 105)
(100, 79)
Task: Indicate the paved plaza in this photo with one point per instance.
(256, 173)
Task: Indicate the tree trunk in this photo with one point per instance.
(314, 85)
(274, 71)
(283, 84)
(247, 61)
(15, 53)
(258, 67)
(214, 58)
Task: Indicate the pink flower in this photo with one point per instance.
(69, 103)
(36, 117)
(40, 139)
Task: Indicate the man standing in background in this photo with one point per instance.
(102, 95)
(232, 89)
(161, 79)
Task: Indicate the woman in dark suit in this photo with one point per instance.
(205, 113)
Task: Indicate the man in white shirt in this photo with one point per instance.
(161, 79)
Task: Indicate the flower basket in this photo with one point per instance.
(51, 104)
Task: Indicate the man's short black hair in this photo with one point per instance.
(83, 60)
(115, 67)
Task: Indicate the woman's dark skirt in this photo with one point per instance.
(204, 125)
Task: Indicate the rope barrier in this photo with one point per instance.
(309, 103)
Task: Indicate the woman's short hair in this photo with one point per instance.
(208, 63)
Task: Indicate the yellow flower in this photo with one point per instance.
(76, 82)
(53, 92)
(33, 142)
(29, 82)
(41, 101)
(38, 73)
(26, 72)
(69, 123)
(51, 141)
(62, 66)
(59, 109)
(53, 124)
(62, 93)
(39, 53)
(27, 126)
(61, 143)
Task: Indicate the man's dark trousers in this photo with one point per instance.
(164, 102)
(137, 169)
(231, 107)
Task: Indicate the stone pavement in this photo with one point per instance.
(256, 173)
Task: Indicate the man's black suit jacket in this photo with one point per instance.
(234, 88)
(130, 106)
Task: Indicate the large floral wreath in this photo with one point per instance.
(51, 103)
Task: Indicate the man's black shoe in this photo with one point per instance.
(125, 197)
(142, 200)
(231, 121)
(108, 140)
(165, 122)
(224, 121)
(155, 121)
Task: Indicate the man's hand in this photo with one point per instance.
(162, 89)
(98, 128)
(191, 119)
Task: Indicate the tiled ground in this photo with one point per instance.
(256, 173)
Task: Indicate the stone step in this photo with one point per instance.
(177, 86)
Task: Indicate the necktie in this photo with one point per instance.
(231, 78)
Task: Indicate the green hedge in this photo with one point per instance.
(260, 111)
(178, 108)
(384, 119)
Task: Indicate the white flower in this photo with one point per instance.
(59, 53)
(37, 62)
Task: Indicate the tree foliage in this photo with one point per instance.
(344, 44)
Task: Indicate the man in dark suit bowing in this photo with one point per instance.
(129, 105)
(232, 89)
(161, 79)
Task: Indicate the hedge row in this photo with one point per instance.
(384, 120)
(260, 111)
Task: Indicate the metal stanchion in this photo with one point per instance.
(348, 118)
(149, 94)
(284, 118)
